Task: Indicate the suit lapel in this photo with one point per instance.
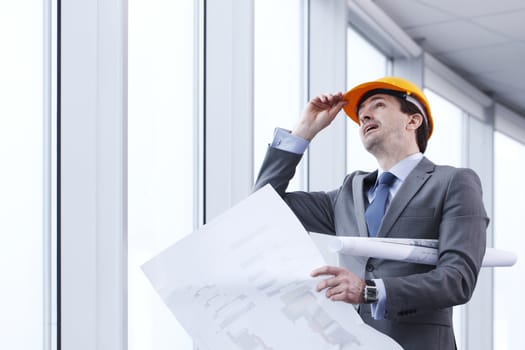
(358, 188)
(408, 189)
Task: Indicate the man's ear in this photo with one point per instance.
(414, 121)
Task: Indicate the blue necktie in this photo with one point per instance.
(375, 211)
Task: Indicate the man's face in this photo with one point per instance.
(382, 124)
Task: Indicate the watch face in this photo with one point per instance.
(370, 294)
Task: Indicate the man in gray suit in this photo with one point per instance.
(412, 303)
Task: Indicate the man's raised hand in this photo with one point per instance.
(318, 114)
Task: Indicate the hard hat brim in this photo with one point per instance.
(354, 96)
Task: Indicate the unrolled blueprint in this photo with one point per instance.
(243, 282)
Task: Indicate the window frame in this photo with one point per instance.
(92, 217)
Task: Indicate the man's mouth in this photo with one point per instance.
(369, 127)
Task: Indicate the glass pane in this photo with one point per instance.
(508, 235)
(21, 179)
(365, 63)
(445, 144)
(278, 71)
(161, 158)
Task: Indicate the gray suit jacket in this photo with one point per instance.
(434, 202)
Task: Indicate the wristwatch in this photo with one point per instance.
(370, 292)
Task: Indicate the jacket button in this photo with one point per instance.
(369, 267)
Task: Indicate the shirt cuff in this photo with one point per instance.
(378, 308)
(285, 141)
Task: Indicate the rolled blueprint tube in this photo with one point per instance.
(407, 250)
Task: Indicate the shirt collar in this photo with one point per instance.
(404, 167)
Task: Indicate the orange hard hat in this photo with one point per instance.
(401, 87)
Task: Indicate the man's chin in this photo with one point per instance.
(369, 142)
(372, 145)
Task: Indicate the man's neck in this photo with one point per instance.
(387, 160)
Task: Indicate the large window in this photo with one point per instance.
(278, 72)
(445, 146)
(23, 245)
(508, 235)
(161, 157)
(365, 63)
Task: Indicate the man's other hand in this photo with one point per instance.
(342, 285)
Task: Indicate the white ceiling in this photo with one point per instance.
(483, 41)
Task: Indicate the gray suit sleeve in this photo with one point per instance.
(313, 209)
(462, 242)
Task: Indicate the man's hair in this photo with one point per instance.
(423, 131)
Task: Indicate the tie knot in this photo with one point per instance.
(386, 178)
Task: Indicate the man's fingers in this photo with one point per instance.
(326, 270)
(343, 285)
(336, 289)
(327, 101)
(343, 292)
(341, 104)
(328, 283)
(319, 104)
(337, 294)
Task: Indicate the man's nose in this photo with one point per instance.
(363, 119)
